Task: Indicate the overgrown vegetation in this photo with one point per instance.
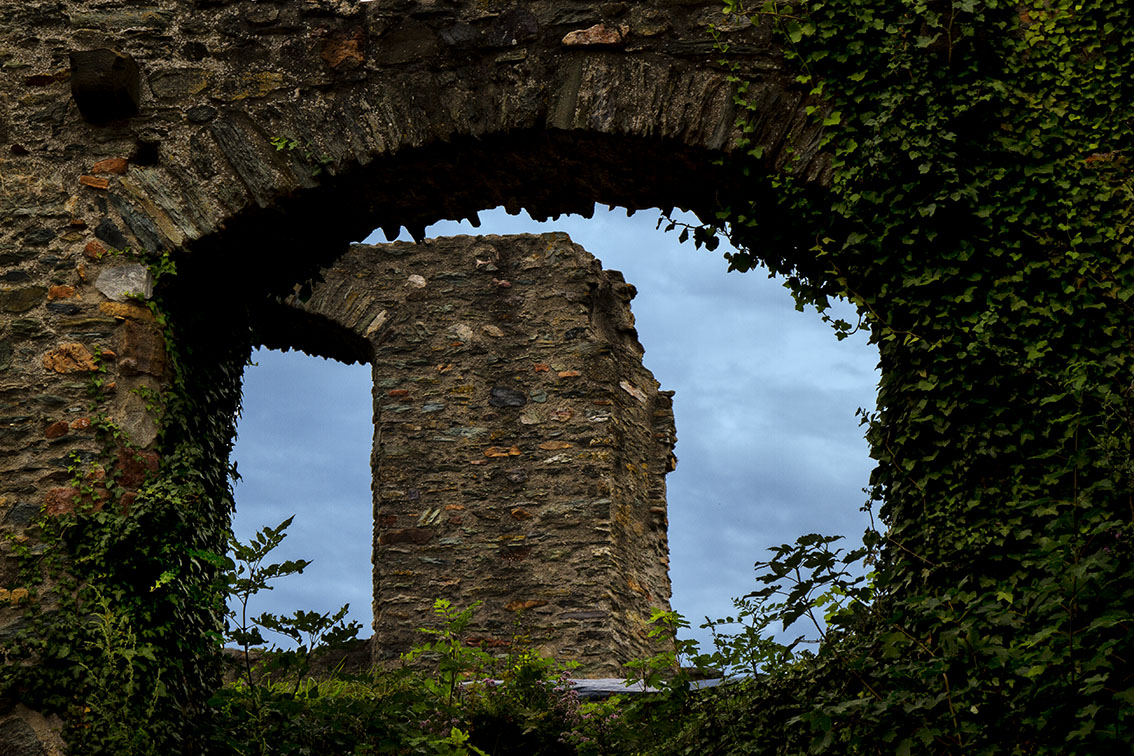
(978, 215)
(447, 698)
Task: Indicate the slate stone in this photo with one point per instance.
(21, 515)
(462, 36)
(512, 28)
(502, 396)
(16, 257)
(586, 614)
(178, 83)
(17, 738)
(26, 328)
(417, 536)
(194, 51)
(201, 114)
(574, 17)
(142, 227)
(111, 234)
(21, 300)
(37, 237)
(63, 308)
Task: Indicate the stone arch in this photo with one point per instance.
(520, 446)
(253, 141)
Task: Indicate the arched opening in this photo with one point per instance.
(769, 444)
(303, 450)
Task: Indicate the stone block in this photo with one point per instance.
(105, 84)
(110, 165)
(135, 466)
(125, 282)
(71, 357)
(18, 738)
(60, 500)
(22, 299)
(126, 311)
(141, 349)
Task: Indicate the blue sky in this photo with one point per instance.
(769, 447)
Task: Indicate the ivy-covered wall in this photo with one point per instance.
(978, 214)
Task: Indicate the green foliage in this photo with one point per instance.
(124, 615)
(317, 162)
(125, 687)
(456, 661)
(448, 698)
(975, 206)
(245, 576)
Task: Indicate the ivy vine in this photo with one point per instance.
(978, 214)
(122, 624)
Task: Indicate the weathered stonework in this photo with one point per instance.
(520, 448)
(255, 140)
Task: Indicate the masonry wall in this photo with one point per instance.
(252, 140)
(520, 446)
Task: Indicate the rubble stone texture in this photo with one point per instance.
(253, 141)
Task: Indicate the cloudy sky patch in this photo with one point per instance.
(769, 447)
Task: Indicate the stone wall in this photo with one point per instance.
(520, 448)
(252, 141)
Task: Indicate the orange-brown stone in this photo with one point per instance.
(555, 445)
(94, 182)
(69, 358)
(61, 500)
(500, 451)
(110, 165)
(519, 606)
(61, 292)
(94, 250)
(344, 49)
(599, 34)
(126, 311)
(134, 466)
(56, 430)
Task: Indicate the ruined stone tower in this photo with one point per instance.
(520, 446)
